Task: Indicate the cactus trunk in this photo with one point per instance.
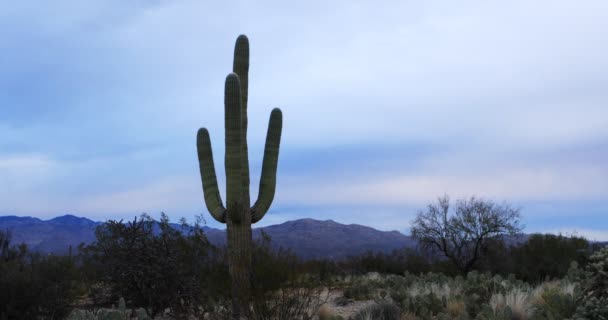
(239, 264)
(238, 215)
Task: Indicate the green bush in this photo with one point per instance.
(554, 304)
(594, 297)
(33, 286)
(157, 266)
(592, 308)
(547, 256)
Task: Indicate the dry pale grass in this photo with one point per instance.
(325, 312)
(455, 308)
(564, 287)
(517, 299)
(440, 290)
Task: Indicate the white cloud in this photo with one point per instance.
(493, 84)
(172, 194)
(511, 184)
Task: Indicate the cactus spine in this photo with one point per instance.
(238, 214)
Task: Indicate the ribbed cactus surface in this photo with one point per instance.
(238, 214)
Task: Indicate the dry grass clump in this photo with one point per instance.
(456, 308)
(518, 300)
(325, 312)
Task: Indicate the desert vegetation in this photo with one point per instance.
(147, 269)
(469, 263)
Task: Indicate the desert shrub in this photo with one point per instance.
(497, 258)
(156, 265)
(360, 290)
(42, 287)
(120, 313)
(554, 303)
(423, 305)
(381, 311)
(456, 309)
(592, 308)
(279, 290)
(514, 302)
(323, 270)
(478, 289)
(593, 302)
(595, 282)
(547, 256)
(35, 286)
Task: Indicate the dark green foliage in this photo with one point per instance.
(595, 283)
(34, 286)
(397, 262)
(555, 305)
(592, 309)
(323, 270)
(478, 289)
(594, 297)
(153, 265)
(547, 256)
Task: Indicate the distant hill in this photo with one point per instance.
(308, 238)
(54, 235)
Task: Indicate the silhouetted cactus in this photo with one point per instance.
(238, 214)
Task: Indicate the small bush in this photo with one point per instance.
(554, 303)
(515, 301)
(360, 290)
(279, 291)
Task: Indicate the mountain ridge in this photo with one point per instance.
(308, 238)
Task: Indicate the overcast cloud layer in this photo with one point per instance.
(385, 107)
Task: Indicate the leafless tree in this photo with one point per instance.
(461, 234)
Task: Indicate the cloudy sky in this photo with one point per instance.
(385, 107)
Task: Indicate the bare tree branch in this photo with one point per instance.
(462, 235)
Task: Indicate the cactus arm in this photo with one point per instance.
(213, 199)
(241, 68)
(269, 166)
(234, 186)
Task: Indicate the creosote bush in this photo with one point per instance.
(33, 285)
(155, 265)
(593, 303)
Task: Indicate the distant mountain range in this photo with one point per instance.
(308, 238)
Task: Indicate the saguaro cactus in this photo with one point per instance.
(238, 214)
